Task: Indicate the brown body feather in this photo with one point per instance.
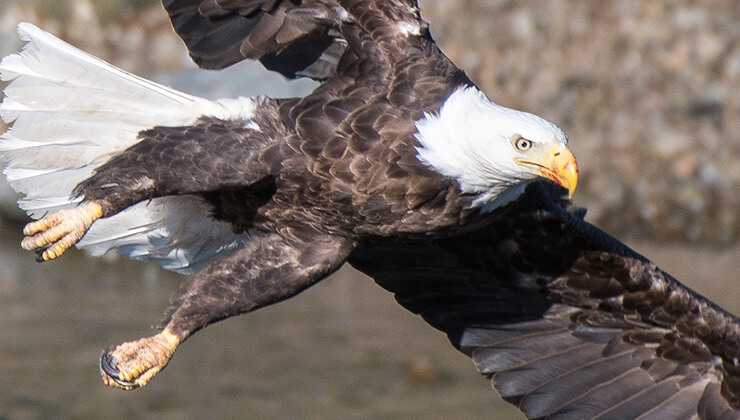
(343, 158)
(567, 321)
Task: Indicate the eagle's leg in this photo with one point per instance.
(166, 161)
(269, 269)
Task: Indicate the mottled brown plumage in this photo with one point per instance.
(326, 171)
(567, 321)
(343, 159)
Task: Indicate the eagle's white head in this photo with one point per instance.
(493, 151)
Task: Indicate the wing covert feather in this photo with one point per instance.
(307, 38)
(295, 39)
(568, 322)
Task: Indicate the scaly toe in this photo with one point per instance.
(60, 247)
(47, 238)
(42, 224)
(132, 365)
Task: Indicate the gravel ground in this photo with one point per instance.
(646, 90)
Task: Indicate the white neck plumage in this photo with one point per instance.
(470, 141)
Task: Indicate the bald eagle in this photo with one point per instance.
(398, 164)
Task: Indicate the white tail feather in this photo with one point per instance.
(70, 112)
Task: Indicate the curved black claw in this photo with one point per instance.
(39, 252)
(108, 367)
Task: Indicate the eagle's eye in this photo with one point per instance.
(521, 144)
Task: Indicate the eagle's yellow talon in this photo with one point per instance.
(42, 239)
(41, 225)
(61, 230)
(132, 365)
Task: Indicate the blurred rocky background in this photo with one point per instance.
(647, 91)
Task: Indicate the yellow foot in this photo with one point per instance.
(52, 235)
(132, 365)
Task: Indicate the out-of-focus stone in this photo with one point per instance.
(421, 369)
(685, 165)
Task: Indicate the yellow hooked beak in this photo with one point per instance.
(557, 164)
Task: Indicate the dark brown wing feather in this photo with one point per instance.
(306, 38)
(566, 321)
(293, 38)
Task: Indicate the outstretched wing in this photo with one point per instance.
(306, 38)
(566, 321)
